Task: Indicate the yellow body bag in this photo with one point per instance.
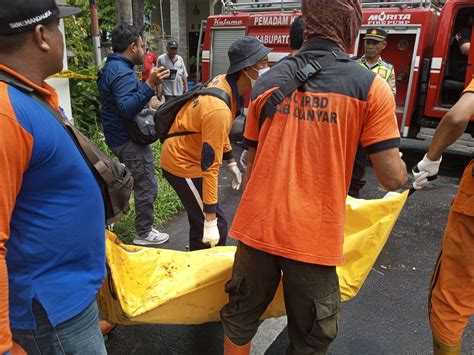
(148, 285)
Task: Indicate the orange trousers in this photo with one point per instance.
(452, 286)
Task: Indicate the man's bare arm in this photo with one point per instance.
(464, 48)
(390, 169)
(452, 126)
(248, 169)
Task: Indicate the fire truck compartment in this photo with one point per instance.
(222, 38)
(400, 51)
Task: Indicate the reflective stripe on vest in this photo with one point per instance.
(383, 71)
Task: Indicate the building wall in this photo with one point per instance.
(196, 11)
(178, 28)
(61, 85)
(180, 22)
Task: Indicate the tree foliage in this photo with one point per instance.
(84, 93)
(78, 28)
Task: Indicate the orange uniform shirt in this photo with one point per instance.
(293, 205)
(463, 203)
(212, 119)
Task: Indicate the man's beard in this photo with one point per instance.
(138, 59)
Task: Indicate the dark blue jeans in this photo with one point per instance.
(78, 335)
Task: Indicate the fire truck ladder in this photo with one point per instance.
(397, 3)
(284, 5)
(260, 6)
(202, 30)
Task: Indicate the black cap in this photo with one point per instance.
(245, 52)
(172, 44)
(375, 34)
(23, 15)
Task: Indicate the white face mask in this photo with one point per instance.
(252, 81)
(260, 72)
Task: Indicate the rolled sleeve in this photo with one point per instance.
(380, 127)
(227, 149)
(469, 88)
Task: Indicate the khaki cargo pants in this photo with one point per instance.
(311, 293)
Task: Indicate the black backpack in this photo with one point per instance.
(166, 113)
(115, 180)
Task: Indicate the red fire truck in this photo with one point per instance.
(420, 45)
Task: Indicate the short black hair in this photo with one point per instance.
(12, 42)
(123, 35)
(296, 33)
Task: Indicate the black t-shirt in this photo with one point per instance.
(458, 63)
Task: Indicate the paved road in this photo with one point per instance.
(389, 316)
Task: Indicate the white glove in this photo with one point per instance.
(211, 233)
(237, 180)
(425, 171)
(244, 158)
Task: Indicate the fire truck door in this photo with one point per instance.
(457, 67)
(402, 43)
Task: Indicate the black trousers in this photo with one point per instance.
(358, 172)
(189, 192)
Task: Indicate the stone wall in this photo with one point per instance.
(178, 28)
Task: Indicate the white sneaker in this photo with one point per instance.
(155, 237)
